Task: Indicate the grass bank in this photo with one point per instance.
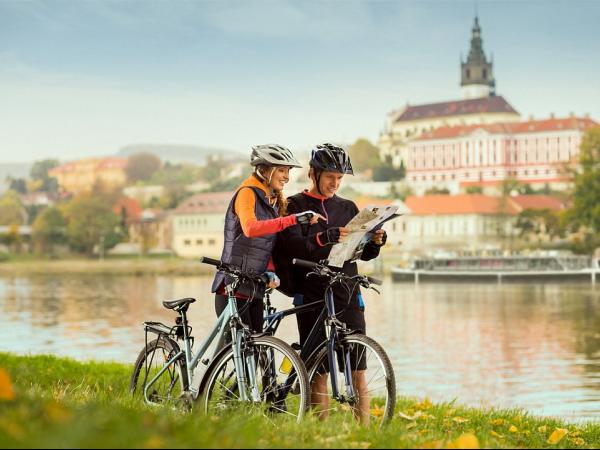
(109, 266)
(56, 402)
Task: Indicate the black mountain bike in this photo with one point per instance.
(362, 382)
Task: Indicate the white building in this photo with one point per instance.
(198, 225)
(536, 152)
(479, 105)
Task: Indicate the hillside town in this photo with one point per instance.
(470, 175)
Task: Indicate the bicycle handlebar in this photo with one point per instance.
(232, 270)
(376, 281)
(212, 262)
(323, 270)
(304, 263)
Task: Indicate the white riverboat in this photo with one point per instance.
(549, 267)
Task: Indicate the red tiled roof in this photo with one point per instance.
(133, 210)
(538, 202)
(495, 104)
(530, 126)
(209, 202)
(112, 163)
(458, 204)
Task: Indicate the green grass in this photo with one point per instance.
(63, 403)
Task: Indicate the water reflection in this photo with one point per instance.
(534, 346)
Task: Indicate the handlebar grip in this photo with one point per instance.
(376, 281)
(304, 263)
(212, 262)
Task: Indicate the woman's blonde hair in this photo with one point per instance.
(260, 173)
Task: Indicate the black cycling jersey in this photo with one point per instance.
(292, 244)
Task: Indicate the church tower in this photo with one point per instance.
(477, 78)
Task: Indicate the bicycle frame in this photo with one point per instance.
(229, 315)
(311, 347)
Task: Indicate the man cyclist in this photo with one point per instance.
(328, 166)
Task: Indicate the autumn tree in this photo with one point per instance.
(91, 222)
(39, 173)
(141, 166)
(48, 230)
(364, 155)
(11, 209)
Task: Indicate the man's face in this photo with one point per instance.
(329, 183)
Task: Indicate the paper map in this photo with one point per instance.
(362, 226)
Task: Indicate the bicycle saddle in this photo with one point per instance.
(173, 304)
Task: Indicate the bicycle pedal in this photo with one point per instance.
(296, 346)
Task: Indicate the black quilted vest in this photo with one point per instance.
(251, 255)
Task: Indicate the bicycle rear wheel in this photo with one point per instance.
(281, 381)
(373, 381)
(170, 386)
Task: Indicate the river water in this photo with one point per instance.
(531, 346)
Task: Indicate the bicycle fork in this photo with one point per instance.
(332, 343)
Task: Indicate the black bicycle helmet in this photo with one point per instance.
(272, 155)
(331, 158)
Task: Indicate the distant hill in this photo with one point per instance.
(15, 170)
(177, 153)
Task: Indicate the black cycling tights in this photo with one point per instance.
(252, 315)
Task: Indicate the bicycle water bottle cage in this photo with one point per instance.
(179, 305)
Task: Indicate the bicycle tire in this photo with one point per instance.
(220, 393)
(170, 387)
(379, 375)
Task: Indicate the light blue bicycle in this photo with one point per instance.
(254, 370)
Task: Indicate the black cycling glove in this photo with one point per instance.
(329, 237)
(383, 240)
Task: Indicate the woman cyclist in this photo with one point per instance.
(256, 213)
(328, 165)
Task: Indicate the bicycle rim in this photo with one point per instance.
(168, 388)
(373, 382)
(281, 389)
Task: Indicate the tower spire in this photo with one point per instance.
(477, 79)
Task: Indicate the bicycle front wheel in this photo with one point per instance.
(368, 395)
(168, 387)
(280, 385)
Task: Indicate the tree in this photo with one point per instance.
(91, 222)
(11, 209)
(141, 166)
(586, 204)
(385, 171)
(49, 229)
(364, 155)
(39, 171)
(17, 184)
(474, 190)
(437, 191)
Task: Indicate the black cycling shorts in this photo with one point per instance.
(354, 318)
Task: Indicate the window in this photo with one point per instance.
(187, 242)
(199, 242)
(211, 242)
(468, 73)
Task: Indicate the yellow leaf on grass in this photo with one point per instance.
(432, 444)
(467, 440)
(6, 388)
(497, 422)
(497, 435)
(425, 404)
(405, 416)
(411, 425)
(377, 411)
(577, 441)
(460, 419)
(513, 429)
(557, 435)
(542, 429)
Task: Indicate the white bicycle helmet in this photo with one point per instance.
(272, 155)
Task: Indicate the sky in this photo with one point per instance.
(85, 78)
